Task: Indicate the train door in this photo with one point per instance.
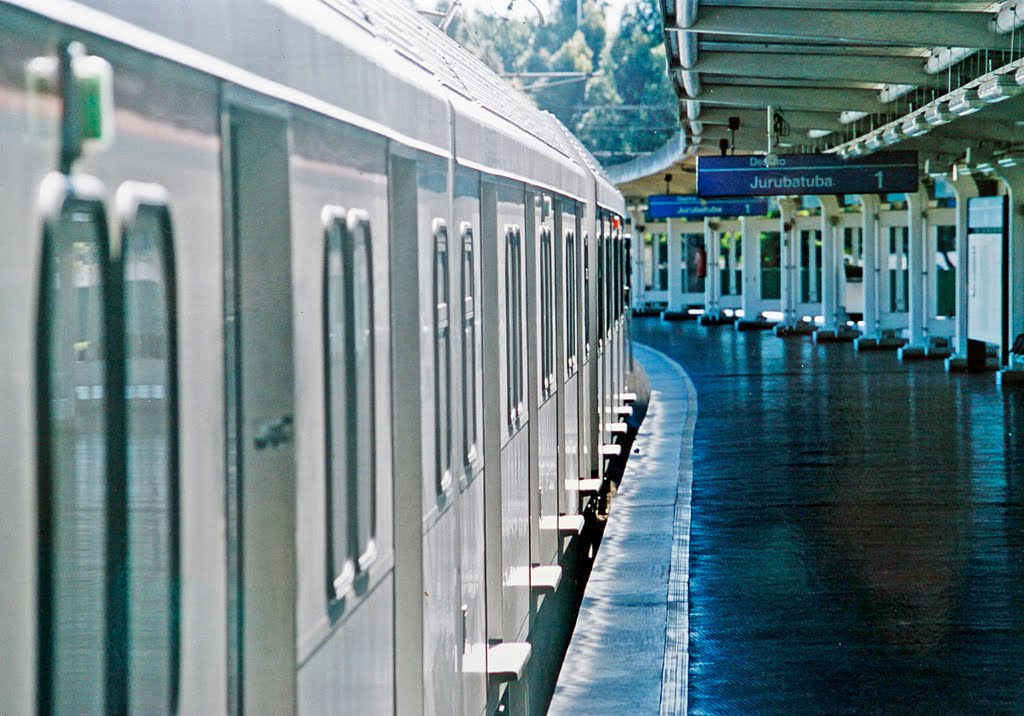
(588, 375)
(543, 391)
(604, 240)
(261, 474)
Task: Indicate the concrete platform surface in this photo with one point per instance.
(857, 535)
(628, 652)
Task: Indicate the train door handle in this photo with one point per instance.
(273, 433)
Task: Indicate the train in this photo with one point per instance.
(316, 361)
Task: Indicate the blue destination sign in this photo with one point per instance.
(807, 174)
(691, 206)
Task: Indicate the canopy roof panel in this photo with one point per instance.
(841, 71)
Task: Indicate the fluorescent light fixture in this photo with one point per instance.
(891, 135)
(849, 117)
(891, 93)
(913, 126)
(961, 170)
(853, 149)
(936, 115)
(1007, 160)
(874, 141)
(985, 167)
(818, 133)
(998, 88)
(965, 102)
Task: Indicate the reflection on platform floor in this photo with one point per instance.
(857, 537)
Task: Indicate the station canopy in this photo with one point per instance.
(851, 77)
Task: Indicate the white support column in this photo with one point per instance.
(789, 237)
(898, 257)
(869, 252)
(966, 188)
(834, 327)
(917, 275)
(712, 284)
(675, 279)
(750, 301)
(812, 267)
(734, 270)
(638, 267)
(1013, 179)
(713, 315)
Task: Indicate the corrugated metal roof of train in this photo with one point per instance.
(585, 156)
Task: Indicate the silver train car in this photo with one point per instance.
(315, 348)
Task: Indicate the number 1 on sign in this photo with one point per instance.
(879, 174)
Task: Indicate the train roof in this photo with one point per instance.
(373, 63)
(608, 195)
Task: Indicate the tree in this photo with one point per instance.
(625, 106)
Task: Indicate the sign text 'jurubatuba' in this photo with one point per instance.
(882, 173)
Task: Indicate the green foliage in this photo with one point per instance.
(625, 106)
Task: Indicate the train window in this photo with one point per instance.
(340, 547)
(362, 413)
(148, 290)
(513, 322)
(571, 296)
(627, 274)
(350, 380)
(510, 349)
(546, 316)
(76, 466)
(442, 357)
(610, 275)
(616, 288)
(586, 296)
(623, 275)
(616, 291)
(601, 289)
(469, 366)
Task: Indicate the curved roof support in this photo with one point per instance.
(690, 82)
(686, 12)
(672, 152)
(687, 49)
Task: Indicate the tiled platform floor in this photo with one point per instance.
(857, 532)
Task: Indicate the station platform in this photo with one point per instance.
(847, 537)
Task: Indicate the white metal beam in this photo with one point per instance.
(895, 70)
(792, 98)
(858, 27)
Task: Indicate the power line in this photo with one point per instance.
(629, 107)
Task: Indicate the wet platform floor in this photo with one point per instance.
(857, 534)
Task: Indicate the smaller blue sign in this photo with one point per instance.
(691, 206)
(881, 173)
